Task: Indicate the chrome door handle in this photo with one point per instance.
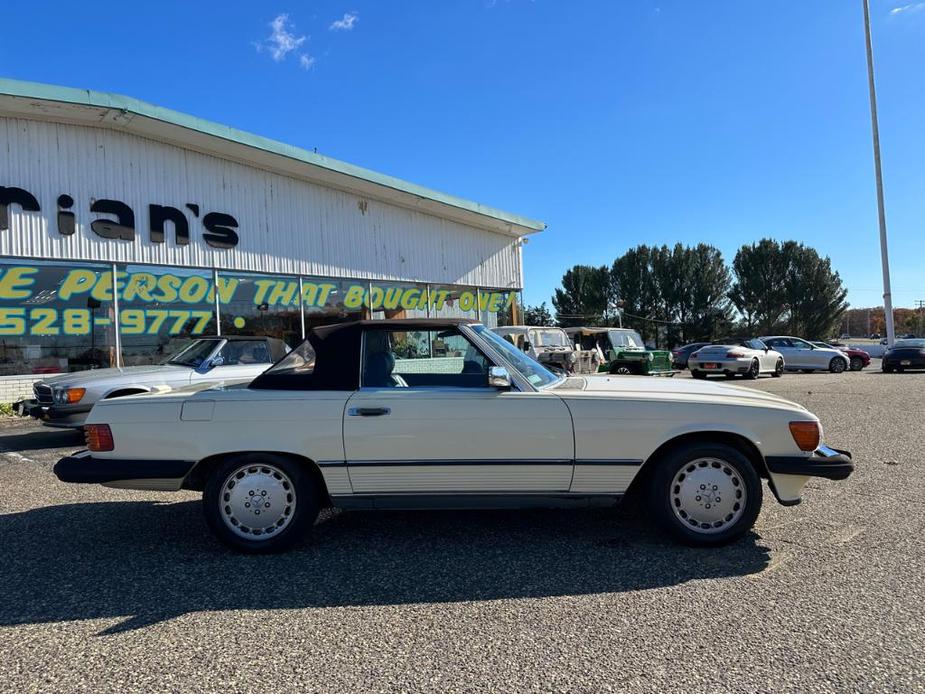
(369, 411)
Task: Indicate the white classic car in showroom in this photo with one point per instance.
(66, 399)
(436, 413)
(736, 356)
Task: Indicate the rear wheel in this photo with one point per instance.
(260, 502)
(837, 365)
(753, 370)
(887, 369)
(705, 494)
(778, 369)
(698, 374)
(857, 363)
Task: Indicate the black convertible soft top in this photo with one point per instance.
(337, 354)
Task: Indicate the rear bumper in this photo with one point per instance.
(726, 366)
(897, 362)
(828, 463)
(83, 468)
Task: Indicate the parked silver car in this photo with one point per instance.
(733, 356)
(66, 399)
(805, 356)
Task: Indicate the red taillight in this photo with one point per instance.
(98, 437)
(734, 355)
(806, 435)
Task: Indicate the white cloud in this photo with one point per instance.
(908, 9)
(306, 61)
(345, 24)
(282, 40)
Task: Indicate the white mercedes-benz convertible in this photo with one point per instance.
(446, 414)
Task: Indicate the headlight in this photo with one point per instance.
(649, 356)
(572, 357)
(69, 396)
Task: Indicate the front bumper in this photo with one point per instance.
(70, 416)
(83, 468)
(825, 462)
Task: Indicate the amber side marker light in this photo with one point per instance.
(98, 437)
(74, 395)
(806, 435)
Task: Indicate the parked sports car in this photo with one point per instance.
(366, 415)
(857, 358)
(804, 356)
(64, 400)
(680, 355)
(904, 354)
(734, 356)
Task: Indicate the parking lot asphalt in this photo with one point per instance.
(111, 590)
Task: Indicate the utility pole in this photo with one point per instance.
(875, 133)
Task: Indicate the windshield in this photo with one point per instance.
(193, 355)
(536, 374)
(909, 343)
(550, 338)
(628, 338)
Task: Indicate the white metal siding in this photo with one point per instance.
(285, 225)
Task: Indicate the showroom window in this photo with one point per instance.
(398, 300)
(329, 301)
(448, 301)
(496, 307)
(55, 318)
(260, 305)
(161, 309)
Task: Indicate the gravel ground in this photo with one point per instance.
(107, 590)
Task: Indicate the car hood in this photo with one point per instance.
(652, 388)
(98, 375)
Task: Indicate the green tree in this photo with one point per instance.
(759, 292)
(815, 294)
(584, 296)
(632, 283)
(537, 315)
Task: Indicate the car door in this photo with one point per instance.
(791, 356)
(806, 355)
(426, 422)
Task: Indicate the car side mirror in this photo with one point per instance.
(210, 364)
(498, 377)
(527, 346)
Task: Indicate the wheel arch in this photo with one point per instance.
(122, 391)
(735, 440)
(196, 478)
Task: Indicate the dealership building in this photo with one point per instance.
(126, 229)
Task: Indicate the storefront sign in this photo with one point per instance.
(119, 222)
(181, 293)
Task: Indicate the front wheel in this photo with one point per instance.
(837, 365)
(705, 494)
(260, 502)
(622, 370)
(856, 363)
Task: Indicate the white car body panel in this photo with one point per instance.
(716, 354)
(565, 440)
(800, 354)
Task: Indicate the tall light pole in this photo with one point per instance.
(875, 132)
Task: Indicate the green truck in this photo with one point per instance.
(623, 351)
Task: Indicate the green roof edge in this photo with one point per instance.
(88, 97)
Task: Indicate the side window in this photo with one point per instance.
(777, 344)
(422, 359)
(800, 344)
(245, 352)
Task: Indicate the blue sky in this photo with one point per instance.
(616, 123)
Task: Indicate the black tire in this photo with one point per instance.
(294, 488)
(622, 370)
(856, 364)
(837, 365)
(887, 369)
(778, 369)
(806, 371)
(721, 459)
(753, 370)
(698, 374)
(729, 375)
